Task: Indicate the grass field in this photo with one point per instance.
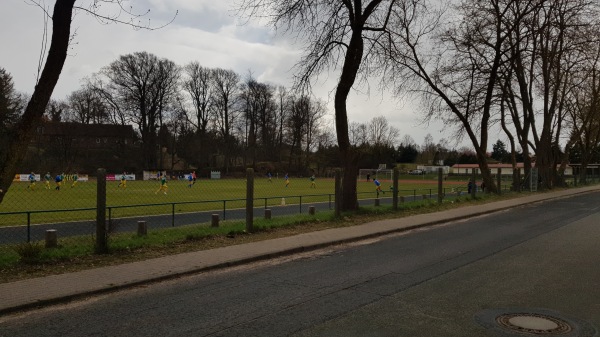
(204, 195)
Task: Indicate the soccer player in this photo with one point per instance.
(75, 177)
(31, 181)
(287, 180)
(312, 182)
(123, 182)
(47, 179)
(270, 177)
(163, 184)
(378, 186)
(194, 177)
(58, 181)
(191, 180)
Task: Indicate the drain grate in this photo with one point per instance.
(519, 322)
(536, 324)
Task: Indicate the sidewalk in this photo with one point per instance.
(45, 290)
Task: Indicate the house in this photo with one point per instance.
(505, 169)
(99, 136)
(75, 147)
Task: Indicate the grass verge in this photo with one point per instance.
(28, 260)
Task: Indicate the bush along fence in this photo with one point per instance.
(263, 198)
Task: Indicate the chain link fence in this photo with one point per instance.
(61, 210)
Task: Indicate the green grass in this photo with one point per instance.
(32, 258)
(70, 248)
(49, 205)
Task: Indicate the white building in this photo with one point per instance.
(505, 169)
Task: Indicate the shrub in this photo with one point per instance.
(29, 253)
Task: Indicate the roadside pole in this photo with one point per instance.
(440, 185)
(101, 242)
(395, 176)
(474, 184)
(338, 193)
(249, 200)
(499, 176)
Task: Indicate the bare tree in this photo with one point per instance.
(144, 85)
(549, 44)
(61, 16)
(283, 106)
(114, 111)
(225, 87)
(342, 34)
(197, 84)
(260, 118)
(583, 107)
(459, 77)
(358, 134)
(86, 106)
(314, 117)
(381, 133)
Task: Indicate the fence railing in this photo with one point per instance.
(31, 225)
(23, 222)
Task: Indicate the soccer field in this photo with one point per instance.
(197, 198)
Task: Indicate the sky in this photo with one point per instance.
(206, 31)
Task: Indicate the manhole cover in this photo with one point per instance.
(514, 322)
(535, 324)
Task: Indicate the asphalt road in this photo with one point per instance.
(426, 282)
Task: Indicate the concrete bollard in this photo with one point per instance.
(376, 202)
(51, 238)
(268, 214)
(311, 210)
(214, 220)
(142, 228)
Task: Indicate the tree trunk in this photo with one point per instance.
(57, 54)
(348, 155)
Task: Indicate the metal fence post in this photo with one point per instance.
(249, 200)
(28, 227)
(101, 242)
(395, 175)
(474, 184)
(338, 193)
(440, 185)
(173, 215)
(499, 180)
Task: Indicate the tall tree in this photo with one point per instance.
(10, 102)
(225, 112)
(197, 84)
(545, 49)
(86, 106)
(61, 16)
(499, 151)
(341, 34)
(57, 53)
(459, 77)
(11, 106)
(144, 85)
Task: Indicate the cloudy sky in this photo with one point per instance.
(206, 31)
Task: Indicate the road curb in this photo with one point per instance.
(305, 242)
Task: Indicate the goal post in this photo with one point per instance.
(379, 174)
